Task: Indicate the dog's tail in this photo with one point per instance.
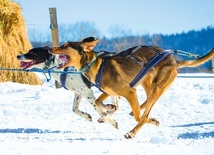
(197, 62)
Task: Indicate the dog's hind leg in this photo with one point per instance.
(132, 99)
(76, 103)
(158, 86)
(152, 121)
(144, 117)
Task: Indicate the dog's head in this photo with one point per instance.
(77, 52)
(34, 57)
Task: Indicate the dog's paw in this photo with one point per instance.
(115, 125)
(89, 118)
(154, 121)
(129, 135)
(110, 107)
(104, 114)
(112, 122)
(101, 120)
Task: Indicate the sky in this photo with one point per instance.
(135, 16)
(38, 120)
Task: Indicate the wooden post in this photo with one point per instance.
(54, 32)
(212, 64)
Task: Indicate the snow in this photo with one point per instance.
(38, 120)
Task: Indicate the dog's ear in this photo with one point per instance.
(88, 45)
(89, 39)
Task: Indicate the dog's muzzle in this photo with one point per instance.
(21, 57)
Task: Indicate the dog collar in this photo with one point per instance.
(87, 66)
(48, 62)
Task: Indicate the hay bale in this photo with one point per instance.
(13, 41)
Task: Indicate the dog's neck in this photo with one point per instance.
(90, 71)
(54, 64)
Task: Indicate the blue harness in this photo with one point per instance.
(146, 67)
(63, 78)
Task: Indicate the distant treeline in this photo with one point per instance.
(196, 42)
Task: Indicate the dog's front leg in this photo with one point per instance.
(101, 111)
(111, 108)
(76, 103)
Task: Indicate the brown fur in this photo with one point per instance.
(120, 71)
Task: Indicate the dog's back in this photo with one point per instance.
(126, 65)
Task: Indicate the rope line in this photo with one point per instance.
(73, 71)
(49, 71)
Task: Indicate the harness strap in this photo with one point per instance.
(87, 66)
(134, 58)
(179, 52)
(105, 55)
(99, 75)
(48, 63)
(137, 60)
(134, 50)
(127, 53)
(152, 62)
(63, 78)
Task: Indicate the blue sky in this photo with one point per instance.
(137, 16)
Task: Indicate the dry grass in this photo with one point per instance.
(13, 41)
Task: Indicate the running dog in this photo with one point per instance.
(41, 58)
(114, 74)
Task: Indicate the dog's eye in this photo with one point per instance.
(64, 47)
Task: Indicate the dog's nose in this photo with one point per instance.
(21, 57)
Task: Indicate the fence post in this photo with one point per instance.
(212, 64)
(54, 32)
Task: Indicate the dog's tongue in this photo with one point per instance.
(25, 65)
(63, 58)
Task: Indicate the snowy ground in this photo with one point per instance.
(38, 120)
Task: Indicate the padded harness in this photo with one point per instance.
(146, 67)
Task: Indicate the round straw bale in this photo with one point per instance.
(13, 41)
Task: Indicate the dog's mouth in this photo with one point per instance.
(27, 64)
(64, 60)
(24, 62)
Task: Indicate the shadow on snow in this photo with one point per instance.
(195, 124)
(30, 130)
(41, 131)
(195, 135)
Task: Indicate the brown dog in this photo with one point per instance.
(119, 71)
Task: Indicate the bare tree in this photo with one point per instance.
(77, 31)
(119, 31)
